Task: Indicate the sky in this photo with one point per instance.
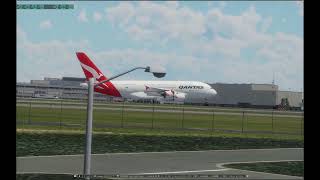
(208, 41)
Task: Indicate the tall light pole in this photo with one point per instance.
(87, 157)
(91, 85)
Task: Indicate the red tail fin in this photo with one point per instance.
(90, 70)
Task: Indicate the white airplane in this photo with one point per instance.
(174, 91)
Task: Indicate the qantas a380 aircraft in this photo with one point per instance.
(175, 91)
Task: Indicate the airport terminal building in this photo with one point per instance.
(240, 95)
(65, 88)
(254, 95)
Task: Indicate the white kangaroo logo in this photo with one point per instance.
(93, 72)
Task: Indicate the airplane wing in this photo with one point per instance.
(151, 92)
(159, 90)
(142, 95)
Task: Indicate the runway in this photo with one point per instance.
(150, 163)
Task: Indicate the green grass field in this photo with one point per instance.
(44, 142)
(76, 118)
(157, 106)
(34, 176)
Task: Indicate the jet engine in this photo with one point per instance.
(171, 94)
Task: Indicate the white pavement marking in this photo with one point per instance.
(221, 165)
(179, 172)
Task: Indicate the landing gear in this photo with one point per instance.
(206, 102)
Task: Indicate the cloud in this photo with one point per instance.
(178, 23)
(120, 14)
(57, 59)
(97, 17)
(234, 43)
(36, 60)
(214, 46)
(46, 59)
(45, 24)
(82, 17)
(266, 23)
(222, 4)
(121, 60)
(169, 21)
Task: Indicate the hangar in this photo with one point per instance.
(66, 88)
(254, 95)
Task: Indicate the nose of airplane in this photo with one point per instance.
(213, 92)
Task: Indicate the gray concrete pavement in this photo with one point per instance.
(184, 162)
